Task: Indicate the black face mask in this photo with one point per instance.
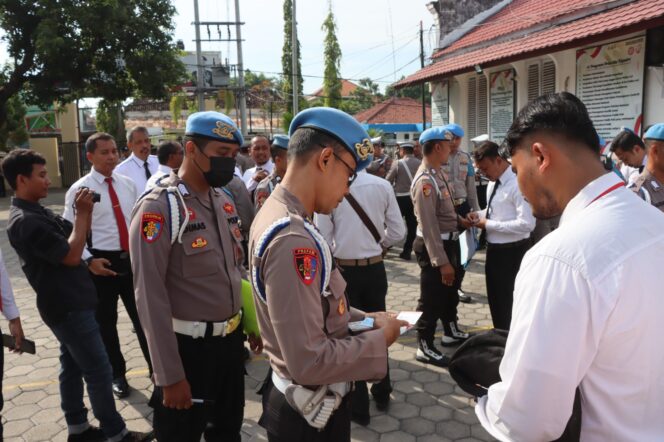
(221, 170)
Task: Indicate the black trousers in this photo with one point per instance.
(502, 265)
(437, 300)
(284, 424)
(109, 289)
(366, 289)
(214, 368)
(408, 212)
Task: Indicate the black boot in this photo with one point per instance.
(452, 334)
(429, 354)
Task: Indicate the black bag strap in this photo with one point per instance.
(364, 217)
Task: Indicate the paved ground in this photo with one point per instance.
(426, 403)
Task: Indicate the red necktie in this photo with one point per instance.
(119, 217)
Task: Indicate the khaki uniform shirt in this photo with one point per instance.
(649, 189)
(196, 280)
(305, 340)
(434, 209)
(462, 184)
(399, 177)
(243, 204)
(244, 162)
(264, 189)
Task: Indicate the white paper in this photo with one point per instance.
(410, 317)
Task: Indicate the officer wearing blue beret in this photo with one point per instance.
(185, 250)
(461, 177)
(279, 153)
(436, 247)
(650, 184)
(302, 308)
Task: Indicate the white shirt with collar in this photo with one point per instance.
(133, 168)
(9, 308)
(105, 235)
(162, 171)
(587, 312)
(343, 229)
(248, 176)
(511, 217)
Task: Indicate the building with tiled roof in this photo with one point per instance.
(610, 53)
(401, 117)
(347, 88)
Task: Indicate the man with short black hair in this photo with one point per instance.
(260, 153)
(279, 154)
(508, 222)
(140, 165)
(587, 309)
(50, 249)
(107, 251)
(631, 151)
(170, 155)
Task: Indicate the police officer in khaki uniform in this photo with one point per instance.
(401, 176)
(184, 242)
(279, 152)
(302, 308)
(381, 163)
(461, 177)
(436, 248)
(650, 184)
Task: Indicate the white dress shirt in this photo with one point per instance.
(9, 309)
(134, 169)
(162, 171)
(511, 217)
(248, 176)
(343, 229)
(587, 312)
(105, 235)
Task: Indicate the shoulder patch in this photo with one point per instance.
(426, 189)
(152, 224)
(306, 264)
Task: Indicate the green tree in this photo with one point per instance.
(66, 49)
(414, 92)
(12, 130)
(176, 105)
(286, 61)
(110, 119)
(332, 54)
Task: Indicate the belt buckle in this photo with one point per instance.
(196, 330)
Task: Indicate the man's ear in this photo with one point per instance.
(542, 154)
(324, 157)
(189, 147)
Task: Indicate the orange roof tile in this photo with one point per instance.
(394, 110)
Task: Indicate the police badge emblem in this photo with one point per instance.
(152, 225)
(306, 264)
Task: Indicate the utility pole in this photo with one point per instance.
(240, 68)
(200, 75)
(294, 61)
(424, 106)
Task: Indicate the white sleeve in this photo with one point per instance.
(249, 180)
(70, 216)
(325, 227)
(9, 308)
(524, 222)
(395, 228)
(552, 341)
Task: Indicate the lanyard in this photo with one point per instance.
(607, 191)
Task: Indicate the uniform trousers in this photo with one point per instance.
(502, 265)
(284, 424)
(109, 289)
(437, 300)
(366, 289)
(214, 368)
(408, 212)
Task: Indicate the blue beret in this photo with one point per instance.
(341, 126)
(656, 132)
(436, 133)
(214, 126)
(456, 130)
(280, 141)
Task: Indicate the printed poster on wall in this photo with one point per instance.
(440, 104)
(501, 106)
(609, 81)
